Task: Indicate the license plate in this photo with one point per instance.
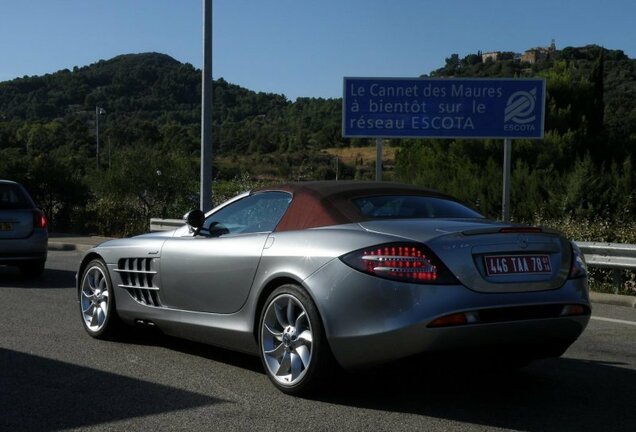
(517, 264)
(4, 226)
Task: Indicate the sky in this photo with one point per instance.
(301, 48)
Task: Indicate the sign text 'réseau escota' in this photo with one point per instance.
(443, 108)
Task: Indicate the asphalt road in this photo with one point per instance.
(54, 377)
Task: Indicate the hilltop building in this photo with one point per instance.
(534, 55)
(493, 55)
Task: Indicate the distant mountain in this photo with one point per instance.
(132, 82)
(151, 90)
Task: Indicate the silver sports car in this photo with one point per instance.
(313, 275)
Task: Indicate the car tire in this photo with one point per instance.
(293, 347)
(32, 269)
(97, 302)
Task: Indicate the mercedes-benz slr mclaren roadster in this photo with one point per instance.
(313, 275)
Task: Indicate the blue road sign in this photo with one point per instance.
(443, 108)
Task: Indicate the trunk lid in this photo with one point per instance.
(16, 224)
(489, 256)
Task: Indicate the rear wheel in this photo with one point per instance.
(97, 302)
(293, 346)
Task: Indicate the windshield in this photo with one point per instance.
(412, 206)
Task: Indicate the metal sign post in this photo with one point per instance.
(378, 159)
(505, 201)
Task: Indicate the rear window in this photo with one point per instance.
(412, 206)
(13, 197)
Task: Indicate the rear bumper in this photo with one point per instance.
(372, 321)
(415, 339)
(15, 251)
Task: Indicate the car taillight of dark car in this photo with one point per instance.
(39, 219)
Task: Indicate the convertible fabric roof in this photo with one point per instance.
(323, 203)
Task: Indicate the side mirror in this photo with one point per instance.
(194, 219)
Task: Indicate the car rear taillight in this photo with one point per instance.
(449, 320)
(405, 262)
(578, 269)
(575, 310)
(39, 219)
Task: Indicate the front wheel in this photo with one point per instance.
(97, 302)
(293, 346)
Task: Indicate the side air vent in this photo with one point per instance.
(137, 276)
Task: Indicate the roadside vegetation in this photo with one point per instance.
(579, 179)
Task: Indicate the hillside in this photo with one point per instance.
(149, 135)
(153, 99)
(583, 166)
(589, 83)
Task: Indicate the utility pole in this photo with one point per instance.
(98, 111)
(206, 109)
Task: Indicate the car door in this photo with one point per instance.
(213, 270)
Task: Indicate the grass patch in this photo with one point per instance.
(362, 155)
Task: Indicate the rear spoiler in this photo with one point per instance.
(511, 229)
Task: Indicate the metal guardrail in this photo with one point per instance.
(614, 256)
(158, 224)
(609, 255)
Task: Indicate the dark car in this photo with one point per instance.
(23, 230)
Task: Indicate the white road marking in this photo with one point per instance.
(614, 320)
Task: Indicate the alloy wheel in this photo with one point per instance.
(94, 299)
(286, 339)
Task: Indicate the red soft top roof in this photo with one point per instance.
(323, 203)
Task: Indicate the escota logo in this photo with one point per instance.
(520, 110)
